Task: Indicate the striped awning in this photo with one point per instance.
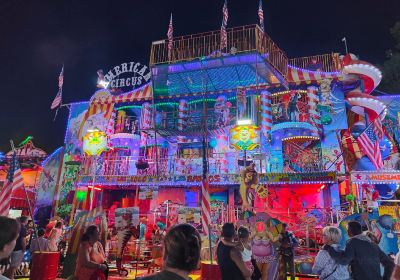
(299, 76)
(139, 94)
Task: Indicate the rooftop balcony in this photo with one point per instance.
(251, 57)
(240, 39)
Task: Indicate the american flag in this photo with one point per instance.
(261, 15)
(205, 206)
(170, 35)
(224, 36)
(225, 14)
(370, 145)
(57, 99)
(13, 181)
(378, 128)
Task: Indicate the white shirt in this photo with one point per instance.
(397, 259)
(246, 254)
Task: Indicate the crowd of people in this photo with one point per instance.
(27, 238)
(361, 259)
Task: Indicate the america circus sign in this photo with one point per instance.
(128, 74)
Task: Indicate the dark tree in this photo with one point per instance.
(391, 67)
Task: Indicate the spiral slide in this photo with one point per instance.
(366, 77)
(369, 77)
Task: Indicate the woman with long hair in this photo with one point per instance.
(90, 264)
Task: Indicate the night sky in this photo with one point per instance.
(37, 37)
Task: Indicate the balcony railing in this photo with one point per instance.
(218, 164)
(239, 39)
(324, 62)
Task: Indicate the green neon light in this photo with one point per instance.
(27, 139)
(208, 100)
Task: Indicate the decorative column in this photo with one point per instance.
(315, 117)
(182, 114)
(146, 118)
(266, 114)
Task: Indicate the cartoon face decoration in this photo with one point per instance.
(94, 143)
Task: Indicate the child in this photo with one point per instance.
(243, 246)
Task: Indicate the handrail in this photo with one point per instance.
(324, 62)
(239, 39)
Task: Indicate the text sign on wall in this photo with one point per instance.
(364, 177)
(128, 75)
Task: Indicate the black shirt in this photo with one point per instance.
(364, 258)
(22, 234)
(229, 270)
(163, 275)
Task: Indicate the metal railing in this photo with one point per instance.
(239, 39)
(324, 62)
(188, 161)
(188, 164)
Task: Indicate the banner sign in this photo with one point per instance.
(294, 178)
(233, 179)
(370, 177)
(190, 215)
(148, 192)
(127, 75)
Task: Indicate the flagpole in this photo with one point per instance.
(345, 44)
(27, 200)
(204, 155)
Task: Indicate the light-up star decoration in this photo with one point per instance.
(245, 137)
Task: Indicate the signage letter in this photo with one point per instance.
(117, 70)
(124, 67)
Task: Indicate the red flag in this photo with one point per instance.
(14, 181)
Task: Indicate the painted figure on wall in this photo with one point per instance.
(292, 109)
(221, 110)
(265, 234)
(249, 182)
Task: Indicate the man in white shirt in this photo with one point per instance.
(40, 243)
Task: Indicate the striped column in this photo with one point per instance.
(315, 117)
(205, 206)
(146, 118)
(266, 114)
(182, 114)
(111, 124)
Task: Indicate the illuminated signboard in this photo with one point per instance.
(126, 76)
